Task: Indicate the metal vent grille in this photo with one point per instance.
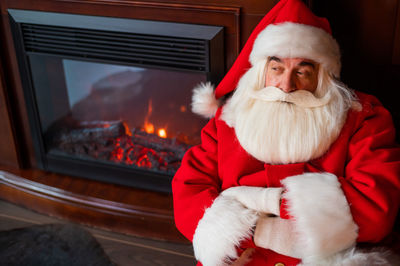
(138, 49)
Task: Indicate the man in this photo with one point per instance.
(294, 167)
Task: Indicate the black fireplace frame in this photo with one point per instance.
(212, 66)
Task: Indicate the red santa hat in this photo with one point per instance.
(289, 30)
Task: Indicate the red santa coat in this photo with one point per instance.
(364, 160)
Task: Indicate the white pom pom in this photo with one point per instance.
(204, 102)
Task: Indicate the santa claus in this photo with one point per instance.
(294, 167)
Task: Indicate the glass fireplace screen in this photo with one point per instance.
(132, 116)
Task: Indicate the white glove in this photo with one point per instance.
(278, 235)
(264, 200)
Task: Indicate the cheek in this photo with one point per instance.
(308, 84)
(270, 80)
(314, 83)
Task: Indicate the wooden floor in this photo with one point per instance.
(122, 249)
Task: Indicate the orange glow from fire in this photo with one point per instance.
(162, 133)
(127, 130)
(148, 127)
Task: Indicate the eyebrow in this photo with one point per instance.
(302, 63)
(274, 58)
(305, 63)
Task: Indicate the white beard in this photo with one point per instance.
(274, 130)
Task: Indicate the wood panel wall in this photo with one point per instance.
(8, 151)
(368, 32)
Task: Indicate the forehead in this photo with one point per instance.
(293, 61)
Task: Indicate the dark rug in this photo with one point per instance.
(53, 244)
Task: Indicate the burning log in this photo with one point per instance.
(91, 131)
(159, 144)
(113, 141)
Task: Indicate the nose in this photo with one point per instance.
(287, 83)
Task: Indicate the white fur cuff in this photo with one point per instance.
(224, 225)
(321, 215)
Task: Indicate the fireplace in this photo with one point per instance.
(109, 98)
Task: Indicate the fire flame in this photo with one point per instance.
(126, 128)
(149, 127)
(162, 133)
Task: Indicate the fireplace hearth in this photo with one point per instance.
(109, 98)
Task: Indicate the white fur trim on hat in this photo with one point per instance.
(224, 225)
(293, 40)
(321, 215)
(204, 102)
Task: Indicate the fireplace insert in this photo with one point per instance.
(109, 98)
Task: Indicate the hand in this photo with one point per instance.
(264, 200)
(278, 235)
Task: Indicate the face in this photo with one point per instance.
(290, 74)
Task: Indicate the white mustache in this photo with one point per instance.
(302, 98)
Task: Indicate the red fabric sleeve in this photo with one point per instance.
(372, 175)
(196, 183)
